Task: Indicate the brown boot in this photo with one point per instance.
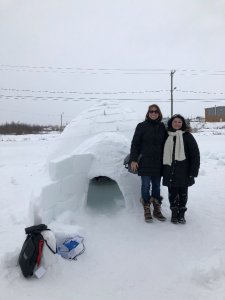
(147, 211)
(157, 210)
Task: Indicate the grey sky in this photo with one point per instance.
(68, 54)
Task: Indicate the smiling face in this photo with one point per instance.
(153, 113)
(177, 123)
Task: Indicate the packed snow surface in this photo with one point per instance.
(125, 257)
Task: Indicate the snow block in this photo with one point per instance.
(64, 166)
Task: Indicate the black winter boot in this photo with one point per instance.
(157, 209)
(174, 216)
(181, 218)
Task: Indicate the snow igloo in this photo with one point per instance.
(86, 167)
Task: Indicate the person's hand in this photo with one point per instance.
(191, 180)
(134, 166)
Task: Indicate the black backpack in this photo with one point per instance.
(127, 163)
(31, 252)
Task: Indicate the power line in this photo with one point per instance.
(200, 92)
(79, 68)
(110, 93)
(77, 99)
(85, 69)
(81, 72)
(109, 71)
(82, 93)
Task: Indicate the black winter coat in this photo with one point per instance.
(148, 142)
(182, 173)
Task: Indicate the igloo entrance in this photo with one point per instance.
(104, 195)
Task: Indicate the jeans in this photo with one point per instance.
(152, 182)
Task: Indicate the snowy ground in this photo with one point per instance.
(125, 258)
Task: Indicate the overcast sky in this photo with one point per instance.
(58, 57)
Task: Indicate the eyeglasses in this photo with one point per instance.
(153, 111)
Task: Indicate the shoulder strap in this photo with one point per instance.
(54, 252)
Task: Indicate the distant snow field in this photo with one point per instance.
(125, 257)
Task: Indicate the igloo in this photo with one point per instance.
(91, 147)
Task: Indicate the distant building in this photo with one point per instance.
(215, 114)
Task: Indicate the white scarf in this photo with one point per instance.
(179, 148)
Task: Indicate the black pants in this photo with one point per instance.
(178, 196)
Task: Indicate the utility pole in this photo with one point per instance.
(171, 89)
(61, 121)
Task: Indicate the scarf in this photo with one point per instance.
(179, 147)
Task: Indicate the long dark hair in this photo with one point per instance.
(157, 108)
(185, 126)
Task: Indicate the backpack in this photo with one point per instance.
(31, 252)
(127, 163)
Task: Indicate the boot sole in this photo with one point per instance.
(174, 222)
(149, 220)
(162, 220)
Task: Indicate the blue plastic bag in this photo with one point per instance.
(71, 247)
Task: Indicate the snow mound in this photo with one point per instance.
(92, 146)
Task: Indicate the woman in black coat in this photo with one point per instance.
(146, 156)
(181, 162)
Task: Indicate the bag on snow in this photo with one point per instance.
(127, 163)
(31, 252)
(71, 247)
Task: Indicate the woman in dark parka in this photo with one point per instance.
(146, 156)
(181, 162)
